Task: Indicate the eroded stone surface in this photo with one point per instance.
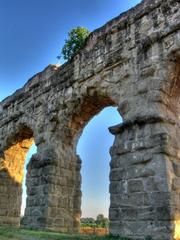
(132, 62)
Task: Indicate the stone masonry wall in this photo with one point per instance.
(131, 62)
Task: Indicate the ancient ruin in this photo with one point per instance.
(132, 62)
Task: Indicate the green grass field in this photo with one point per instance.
(23, 234)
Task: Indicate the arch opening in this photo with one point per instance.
(93, 148)
(90, 125)
(11, 175)
(85, 110)
(32, 150)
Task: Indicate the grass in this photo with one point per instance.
(7, 233)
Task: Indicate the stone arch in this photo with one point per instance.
(11, 174)
(66, 210)
(87, 107)
(93, 148)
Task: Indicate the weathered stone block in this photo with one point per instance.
(176, 167)
(117, 175)
(176, 185)
(135, 186)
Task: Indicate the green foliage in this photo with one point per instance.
(10, 233)
(101, 221)
(87, 220)
(24, 234)
(76, 39)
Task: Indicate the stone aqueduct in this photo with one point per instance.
(132, 62)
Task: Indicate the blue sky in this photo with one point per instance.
(32, 34)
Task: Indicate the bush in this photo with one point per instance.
(76, 39)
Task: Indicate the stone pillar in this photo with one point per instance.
(53, 189)
(10, 201)
(11, 176)
(141, 199)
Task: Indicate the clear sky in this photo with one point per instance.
(32, 33)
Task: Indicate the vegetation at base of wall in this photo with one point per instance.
(9, 233)
(24, 234)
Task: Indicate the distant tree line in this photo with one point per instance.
(100, 221)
